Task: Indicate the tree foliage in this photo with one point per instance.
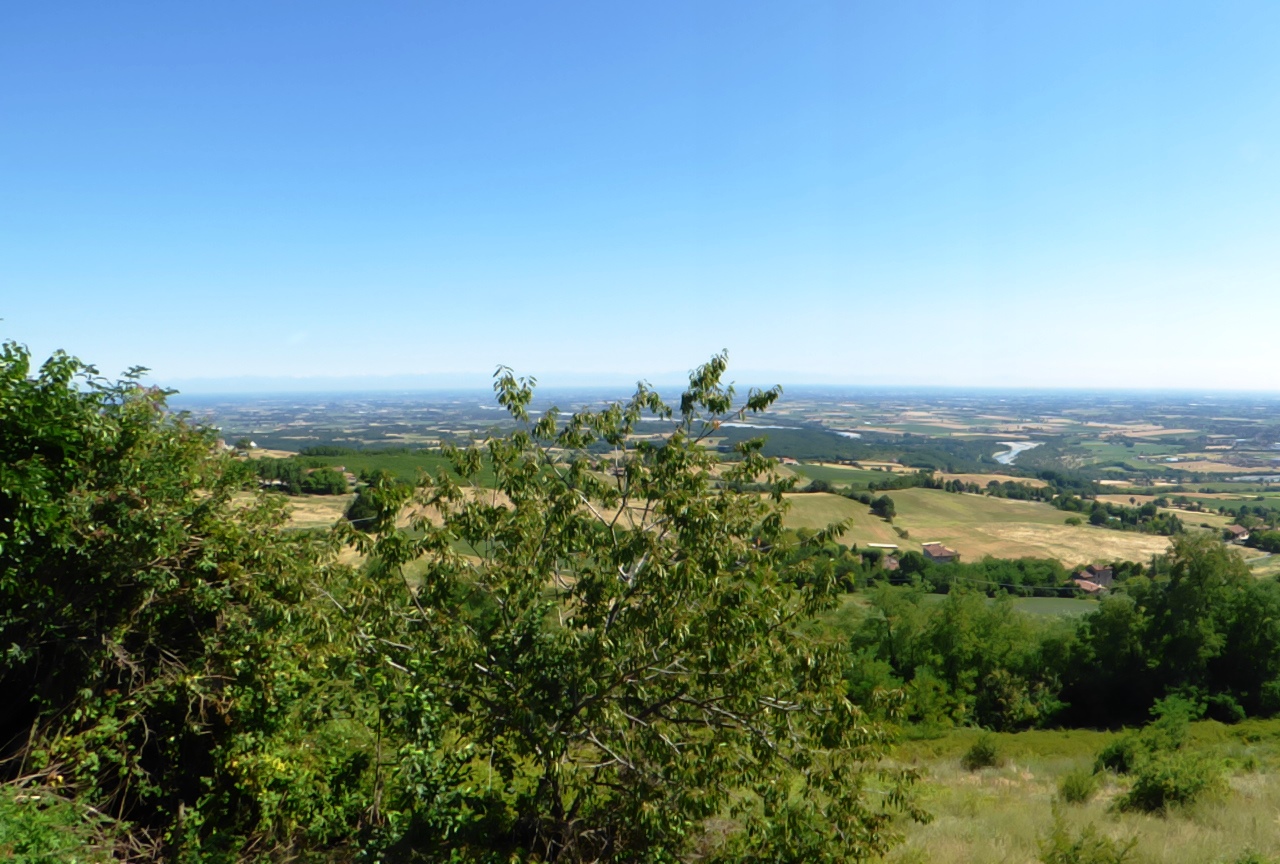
(602, 657)
(622, 655)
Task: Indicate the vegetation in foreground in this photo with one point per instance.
(1021, 809)
(617, 673)
(643, 666)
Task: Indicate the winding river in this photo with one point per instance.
(1015, 447)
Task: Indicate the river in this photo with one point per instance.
(1015, 447)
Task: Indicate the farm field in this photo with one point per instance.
(1264, 566)
(976, 526)
(402, 464)
(838, 475)
(984, 479)
(1054, 605)
(1001, 814)
(1190, 518)
(317, 511)
(816, 510)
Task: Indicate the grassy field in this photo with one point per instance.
(404, 465)
(1265, 566)
(1001, 814)
(983, 479)
(839, 475)
(819, 509)
(975, 526)
(1054, 605)
(1189, 518)
(317, 511)
(1106, 451)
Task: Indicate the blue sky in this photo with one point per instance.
(1022, 194)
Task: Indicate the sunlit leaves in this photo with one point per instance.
(619, 646)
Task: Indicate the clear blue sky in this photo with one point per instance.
(951, 193)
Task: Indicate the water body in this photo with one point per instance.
(734, 424)
(1015, 447)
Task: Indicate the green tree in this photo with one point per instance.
(323, 481)
(153, 665)
(622, 655)
(884, 507)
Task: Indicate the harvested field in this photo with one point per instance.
(976, 525)
(984, 479)
(317, 511)
(1206, 467)
(267, 453)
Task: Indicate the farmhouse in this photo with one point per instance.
(1103, 575)
(1088, 587)
(1236, 533)
(939, 554)
(886, 553)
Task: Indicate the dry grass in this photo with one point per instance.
(1000, 814)
(1264, 567)
(1206, 467)
(975, 526)
(1189, 517)
(983, 479)
(317, 511)
(267, 453)
(816, 510)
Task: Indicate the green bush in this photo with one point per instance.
(983, 754)
(1252, 857)
(1120, 756)
(40, 828)
(1089, 847)
(1078, 787)
(1167, 780)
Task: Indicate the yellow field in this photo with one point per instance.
(976, 526)
(1190, 518)
(266, 453)
(317, 511)
(983, 479)
(1205, 467)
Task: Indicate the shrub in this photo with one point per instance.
(1170, 780)
(1074, 520)
(884, 508)
(1089, 847)
(1251, 857)
(1225, 709)
(39, 828)
(1120, 756)
(983, 754)
(1078, 787)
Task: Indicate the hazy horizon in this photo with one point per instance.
(409, 385)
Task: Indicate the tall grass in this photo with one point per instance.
(1006, 814)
